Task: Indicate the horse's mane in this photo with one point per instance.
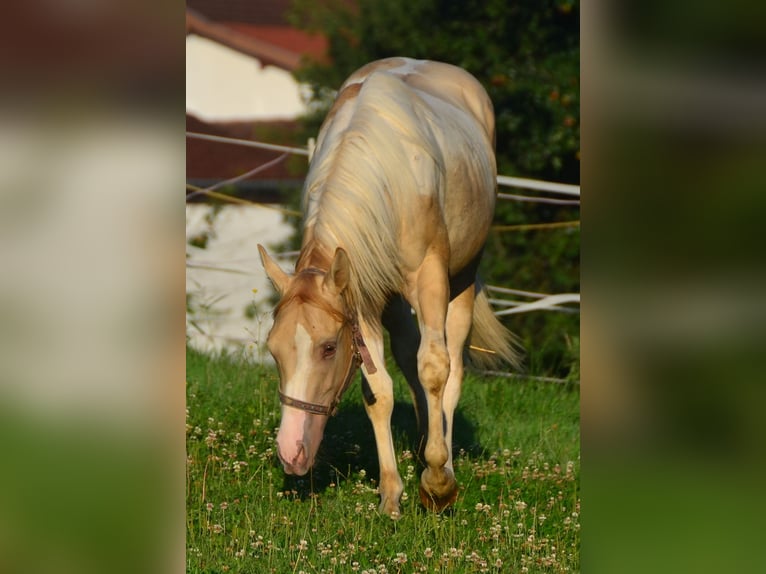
(358, 184)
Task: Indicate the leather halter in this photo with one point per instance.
(359, 355)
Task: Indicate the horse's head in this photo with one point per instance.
(313, 346)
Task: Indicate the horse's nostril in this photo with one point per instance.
(301, 452)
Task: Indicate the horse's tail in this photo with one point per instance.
(490, 343)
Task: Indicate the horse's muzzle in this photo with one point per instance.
(299, 464)
(298, 439)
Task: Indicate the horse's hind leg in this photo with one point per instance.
(405, 340)
(459, 320)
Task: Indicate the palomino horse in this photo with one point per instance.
(397, 203)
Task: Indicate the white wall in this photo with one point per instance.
(220, 278)
(223, 84)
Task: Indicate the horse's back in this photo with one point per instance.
(445, 82)
(441, 118)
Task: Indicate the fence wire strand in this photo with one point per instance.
(543, 302)
(238, 178)
(503, 180)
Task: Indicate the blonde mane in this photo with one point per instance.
(359, 177)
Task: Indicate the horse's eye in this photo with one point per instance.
(328, 350)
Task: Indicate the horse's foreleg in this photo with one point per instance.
(438, 488)
(379, 404)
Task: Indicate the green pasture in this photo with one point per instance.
(517, 460)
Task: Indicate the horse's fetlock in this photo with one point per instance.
(436, 454)
(391, 488)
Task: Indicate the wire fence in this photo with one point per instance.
(562, 302)
(502, 180)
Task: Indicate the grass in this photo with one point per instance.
(516, 460)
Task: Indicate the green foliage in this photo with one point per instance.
(526, 54)
(573, 346)
(516, 461)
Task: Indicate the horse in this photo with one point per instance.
(397, 205)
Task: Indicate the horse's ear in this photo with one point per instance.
(337, 277)
(278, 277)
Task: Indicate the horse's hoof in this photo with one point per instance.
(390, 509)
(436, 503)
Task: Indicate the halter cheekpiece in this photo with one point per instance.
(360, 355)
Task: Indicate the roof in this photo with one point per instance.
(258, 28)
(260, 12)
(255, 28)
(291, 39)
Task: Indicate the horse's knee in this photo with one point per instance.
(379, 407)
(433, 367)
(377, 402)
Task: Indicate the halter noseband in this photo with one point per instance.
(359, 355)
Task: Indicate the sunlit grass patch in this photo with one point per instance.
(516, 460)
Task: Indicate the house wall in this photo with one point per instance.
(225, 85)
(222, 277)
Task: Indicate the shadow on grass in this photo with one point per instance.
(349, 446)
